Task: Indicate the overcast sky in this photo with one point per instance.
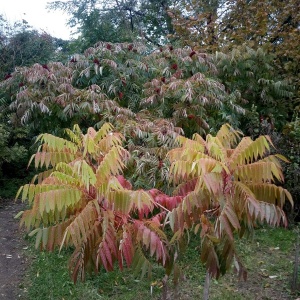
(36, 14)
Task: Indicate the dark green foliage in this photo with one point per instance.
(21, 45)
(10, 150)
(13, 159)
(107, 29)
(119, 21)
(290, 146)
(264, 94)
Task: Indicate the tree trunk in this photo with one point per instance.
(206, 286)
(165, 288)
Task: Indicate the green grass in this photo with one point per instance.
(269, 253)
(49, 278)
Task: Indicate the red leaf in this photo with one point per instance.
(186, 188)
(124, 183)
(225, 224)
(146, 237)
(103, 258)
(110, 239)
(96, 61)
(174, 66)
(232, 217)
(165, 200)
(212, 263)
(45, 67)
(120, 95)
(192, 53)
(159, 218)
(7, 76)
(127, 248)
(153, 242)
(108, 255)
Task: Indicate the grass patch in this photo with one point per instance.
(269, 259)
(49, 279)
(268, 256)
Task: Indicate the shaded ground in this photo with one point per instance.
(12, 259)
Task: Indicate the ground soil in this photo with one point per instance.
(13, 261)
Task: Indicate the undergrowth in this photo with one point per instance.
(268, 256)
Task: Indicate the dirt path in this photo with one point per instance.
(12, 259)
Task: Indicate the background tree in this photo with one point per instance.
(197, 23)
(13, 158)
(206, 25)
(123, 80)
(266, 95)
(23, 46)
(20, 45)
(105, 28)
(272, 25)
(127, 21)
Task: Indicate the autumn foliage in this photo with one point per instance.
(220, 188)
(83, 200)
(137, 145)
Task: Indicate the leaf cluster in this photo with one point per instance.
(83, 200)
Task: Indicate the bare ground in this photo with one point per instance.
(13, 261)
